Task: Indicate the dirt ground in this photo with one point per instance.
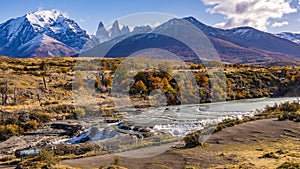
(235, 147)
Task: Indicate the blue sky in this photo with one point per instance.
(88, 13)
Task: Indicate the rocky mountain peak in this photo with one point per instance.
(102, 33)
(115, 30)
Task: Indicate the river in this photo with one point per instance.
(183, 119)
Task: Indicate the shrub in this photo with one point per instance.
(284, 111)
(269, 155)
(31, 125)
(9, 131)
(7, 158)
(108, 82)
(192, 140)
(231, 122)
(47, 103)
(55, 102)
(116, 161)
(289, 165)
(40, 117)
(48, 157)
(66, 149)
(80, 112)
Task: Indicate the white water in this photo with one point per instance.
(99, 134)
(183, 119)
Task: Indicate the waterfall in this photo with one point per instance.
(94, 134)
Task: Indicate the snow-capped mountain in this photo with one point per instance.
(290, 36)
(51, 33)
(250, 38)
(246, 33)
(237, 45)
(17, 32)
(45, 46)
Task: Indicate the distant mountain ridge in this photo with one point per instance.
(265, 46)
(103, 35)
(51, 33)
(238, 45)
(294, 37)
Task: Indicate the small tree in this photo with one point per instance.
(31, 125)
(140, 87)
(80, 111)
(48, 157)
(4, 92)
(116, 161)
(101, 81)
(15, 95)
(108, 82)
(39, 97)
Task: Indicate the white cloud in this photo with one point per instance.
(154, 25)
(254, 13)
(279, 24)
(220, 25)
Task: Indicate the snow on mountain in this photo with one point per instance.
(45, 46)
(125, 30)
(142, 29)
(58, 26)
(237, 45)
(246, 33)
(14, 33)
(51, 33)
(208, 30)
(41, 19)
(289, 36)
(17, 32)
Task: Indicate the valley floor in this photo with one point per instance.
(257, 144)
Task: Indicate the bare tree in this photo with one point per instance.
(100, 76)
(39, 97)
(45, 83)
(5, 94)
(44, 67)
(16, 96)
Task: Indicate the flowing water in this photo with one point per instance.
(183, 119)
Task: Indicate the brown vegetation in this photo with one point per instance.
(38, 91)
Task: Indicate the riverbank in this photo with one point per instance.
(40, 98)
(241, 145)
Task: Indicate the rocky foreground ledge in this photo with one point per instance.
(257, 144)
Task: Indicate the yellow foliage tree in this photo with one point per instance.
(140, 87)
